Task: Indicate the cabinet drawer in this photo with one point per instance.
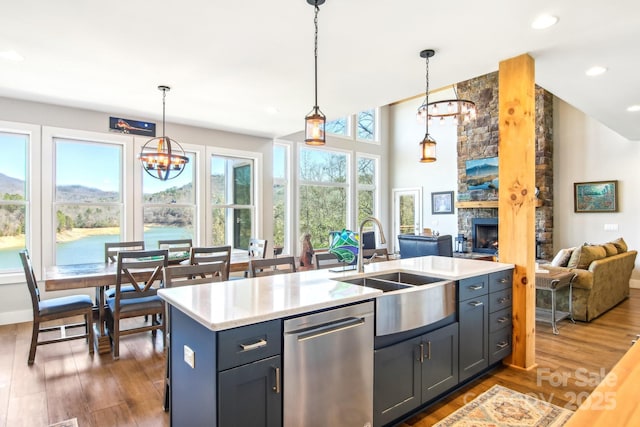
(499, 300)
(500, 280)
(473, 287)
(249, 343)
(499, 345)
(500, 319)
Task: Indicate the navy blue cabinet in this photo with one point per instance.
(412, 372)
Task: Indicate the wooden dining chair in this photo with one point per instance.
(324, 260)
(175, 245)
(213, 255)
(55, 309)
(111, 249)
(142, 269)
(271, 266)
(184, 275)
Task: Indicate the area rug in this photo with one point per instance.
(73, 422)
(502, 407)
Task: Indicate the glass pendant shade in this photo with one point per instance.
(428, 149)
(314, 127)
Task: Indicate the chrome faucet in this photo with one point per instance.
(382, 240)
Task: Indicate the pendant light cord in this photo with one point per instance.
(426, 102)
(315, 52)
(164, 95)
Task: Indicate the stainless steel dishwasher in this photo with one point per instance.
(328, 368)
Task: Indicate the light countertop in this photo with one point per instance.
(225, 305)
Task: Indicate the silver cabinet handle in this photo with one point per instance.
(502, 319)
(476, 287)
(276, 388)
(247, 347)
(503, 280)
(502, 344)
(503, 300)
(476, 303)
(429, 350)
(421, 352)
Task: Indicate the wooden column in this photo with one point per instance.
(516, 206)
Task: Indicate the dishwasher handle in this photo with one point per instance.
(328, 328)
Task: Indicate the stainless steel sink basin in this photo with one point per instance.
(372, 282)
(410, 300)
(405, 278)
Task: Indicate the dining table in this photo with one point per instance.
(100, 275)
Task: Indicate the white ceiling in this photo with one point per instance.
(231, 63)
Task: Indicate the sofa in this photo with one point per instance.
(602, 278)
(412, 245)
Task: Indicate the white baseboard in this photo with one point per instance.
(634, 283)
(20, 316)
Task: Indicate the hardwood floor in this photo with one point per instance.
(66, 382)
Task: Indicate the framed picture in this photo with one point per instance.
(442, 202)
(597, 196)
(482, 174)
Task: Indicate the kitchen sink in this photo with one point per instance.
(410, 300)
(374, 282)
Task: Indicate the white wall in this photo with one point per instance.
(406, 170)
(585, 150)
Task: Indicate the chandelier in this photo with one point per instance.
(315, 121)
(162, 157)
(457, 109)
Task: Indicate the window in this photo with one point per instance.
(232, 204)
(88, 202)
(323, 193)
(281, 197)
(366, 126)
(339, 126)
(365, 123)
(169, 207)
(14, 198)
(366, 187)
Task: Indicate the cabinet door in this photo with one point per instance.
(474, 329)
(250, 395)
(440, 361)
(397, 372)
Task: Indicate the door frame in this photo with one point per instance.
(416, 192)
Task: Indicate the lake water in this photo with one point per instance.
(91, 248)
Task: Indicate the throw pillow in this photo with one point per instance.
(562, 257)
(610, 249)
(585, 255)
(620, 244)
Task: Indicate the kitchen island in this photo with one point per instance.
(227, 338)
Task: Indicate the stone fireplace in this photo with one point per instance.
(484, 235)
(479, 139)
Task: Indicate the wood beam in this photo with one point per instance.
(516, 206)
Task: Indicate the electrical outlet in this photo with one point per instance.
(189, 357)
(611, 227)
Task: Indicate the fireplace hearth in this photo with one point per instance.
(484, 235)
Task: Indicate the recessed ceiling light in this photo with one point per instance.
(596, 71)
(634, 108)
(544, 21)
(11, 55)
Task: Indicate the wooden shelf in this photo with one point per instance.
(477, 204)
(485, 204)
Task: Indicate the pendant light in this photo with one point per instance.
(428, 144)
(314, 122)
(163, 158)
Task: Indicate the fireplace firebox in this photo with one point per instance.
(484, 235)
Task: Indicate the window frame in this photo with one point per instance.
(33, 203)
(287, 183)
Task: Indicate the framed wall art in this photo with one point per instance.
(597, 196)
(442, 202)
